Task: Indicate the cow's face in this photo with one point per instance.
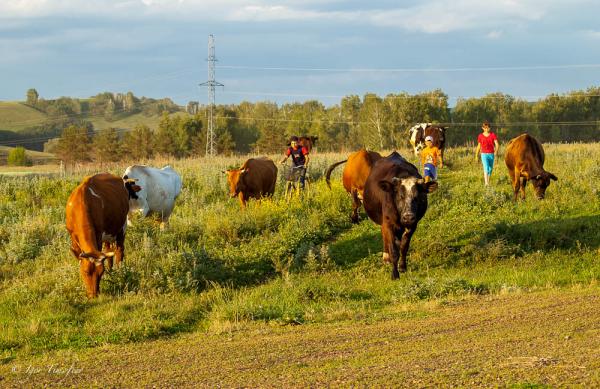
(132, 187)
(235, 180)
(91, 267)
(410, 197)
(541, 182)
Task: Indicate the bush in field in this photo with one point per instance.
(17, 157)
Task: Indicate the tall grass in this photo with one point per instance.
(218, 268)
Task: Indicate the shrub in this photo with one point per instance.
(17, 157)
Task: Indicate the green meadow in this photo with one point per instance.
(217, 269)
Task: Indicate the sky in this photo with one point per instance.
(298, 50)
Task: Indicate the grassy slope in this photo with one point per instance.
(15, 116)
(36, 156)
(216, 270)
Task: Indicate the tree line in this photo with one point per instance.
(369, 121)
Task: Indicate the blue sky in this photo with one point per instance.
(322, 49)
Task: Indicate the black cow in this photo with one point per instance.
(395, 197)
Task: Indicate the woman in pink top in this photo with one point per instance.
(487, 143)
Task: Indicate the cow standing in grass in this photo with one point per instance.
(96, 218)
(524, 159)
(160, 188)
(255, 179)
(354, 177)
(419, 132)
(395, 198)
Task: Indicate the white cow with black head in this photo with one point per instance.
(160, 188)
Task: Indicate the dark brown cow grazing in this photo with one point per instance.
(418, 133)
(307, 141)
(355, 175)
(395, 197)
(525, 161)
(96, 216)
(255, 179)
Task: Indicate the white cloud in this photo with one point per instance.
(594, 34)
(495, 34)
(430, 16)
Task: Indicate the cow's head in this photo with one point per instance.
(236, 181)
(91, 267)
(410, 197)
(132, 187)
(540, 182)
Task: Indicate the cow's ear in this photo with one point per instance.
(552, 176)
(245, 170)
(136, 188)
(430, 186)
(386, 186)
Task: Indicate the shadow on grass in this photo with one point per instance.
(548, 234)
(347, 252)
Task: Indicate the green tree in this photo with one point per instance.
(32, 97)
(17, 157)
(106, 146)
(74, 145)
(138, 143)
(164, 139)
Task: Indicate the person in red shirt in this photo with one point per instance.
(487, 143)
(300, 160)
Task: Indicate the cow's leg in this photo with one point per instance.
(120, 247)
(242, 200)
(404, 243)
(523, 183)
(516, 180)
(390, 251)
(106, 247)
(355, 206)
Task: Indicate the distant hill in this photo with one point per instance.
(21, 124)
(15, 116)
(37, 157)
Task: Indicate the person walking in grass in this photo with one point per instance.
(487, 144)
(430, 156)
(300, 160)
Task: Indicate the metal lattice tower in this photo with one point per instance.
(211, 144)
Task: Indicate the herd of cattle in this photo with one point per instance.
(392, 191)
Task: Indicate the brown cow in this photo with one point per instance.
(307, 141)
(395, 197)
(255, 179)
(96, 217)
(524, 159)
(355, 175)
(418, 133)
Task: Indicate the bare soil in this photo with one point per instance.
(519, 339)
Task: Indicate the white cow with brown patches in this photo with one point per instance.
(160, 188)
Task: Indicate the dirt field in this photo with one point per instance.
(523, 340)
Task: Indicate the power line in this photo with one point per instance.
(277, 120)
(413, 70)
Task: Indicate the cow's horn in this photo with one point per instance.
(131, 180)
(395, 180)
(109, 254)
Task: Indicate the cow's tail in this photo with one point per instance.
(330, 169)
